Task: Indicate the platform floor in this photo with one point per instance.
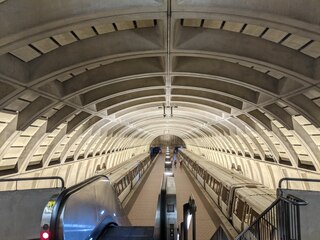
(143, 210)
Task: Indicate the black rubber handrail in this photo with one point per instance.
(163, 205)
(63, 197)
(34, 178)
(297, 180)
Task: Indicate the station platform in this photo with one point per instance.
(144, 207)
(92, 210)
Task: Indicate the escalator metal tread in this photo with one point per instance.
(123, 233)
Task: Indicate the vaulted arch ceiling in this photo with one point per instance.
(86, 84)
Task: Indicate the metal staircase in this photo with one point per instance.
(220, 234)
(284, 219)
(280, 221)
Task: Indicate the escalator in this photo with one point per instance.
(91, 210)
(82, 211)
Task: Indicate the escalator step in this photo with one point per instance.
(133, 233)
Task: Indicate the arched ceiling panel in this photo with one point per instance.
(240, 47)
(233, 72)
(71, 56)
(103, 75)
(128, 97)
(208, 95)
(237, 81)
(302, 18)
(221, 87)
(98, 94)
(54, 22)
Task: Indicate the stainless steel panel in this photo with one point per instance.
(21, 212)
(88, 207)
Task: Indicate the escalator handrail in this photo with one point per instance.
(63, 197)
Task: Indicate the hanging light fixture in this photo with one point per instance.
(164, 110)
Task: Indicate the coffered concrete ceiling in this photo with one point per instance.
(83, 83)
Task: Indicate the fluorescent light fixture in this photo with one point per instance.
(168, 173)
(168, 162)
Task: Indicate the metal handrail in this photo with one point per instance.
(261, 215)
(220, 234)
(163, 204)
(63, 197)
(293, 200)
(189, 208)
(296, 180)
(34, 178)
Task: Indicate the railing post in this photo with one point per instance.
(189, 211)
(194, 228)
(299, 226)
(288, 222)
(181, 237)
(185, 221)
